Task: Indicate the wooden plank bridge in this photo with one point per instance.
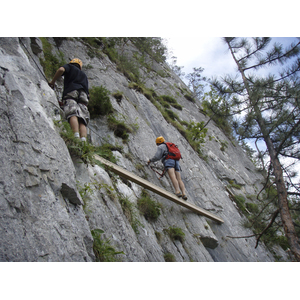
(156, 189)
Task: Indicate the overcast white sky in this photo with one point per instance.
(210, 53)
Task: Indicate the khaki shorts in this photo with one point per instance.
(74, 106)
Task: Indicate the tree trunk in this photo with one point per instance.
(286, 218)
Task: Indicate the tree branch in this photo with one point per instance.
(294, 193)
(270, 60)
(293, 129)
(270, 224)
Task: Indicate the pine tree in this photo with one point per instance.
(271, 106)
(196, 82)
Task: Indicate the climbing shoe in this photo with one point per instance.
(184, 197)
(178, 194)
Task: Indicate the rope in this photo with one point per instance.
(160, 174)
(57, 97)
(33, 59)
(42, 74)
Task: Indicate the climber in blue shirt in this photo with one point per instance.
(171, 165)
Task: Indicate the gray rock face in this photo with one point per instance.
(38, 221)
(42, 216)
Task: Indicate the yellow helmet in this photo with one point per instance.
(76, 61)
(160, 140)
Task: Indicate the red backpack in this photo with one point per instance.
(174, 152)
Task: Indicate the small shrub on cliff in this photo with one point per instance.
(176, 233)
(224, 145)
(170, 114)
(99, 103)
(252, 207)
(218, 110)
(232, 184)
(177, 106)
(103, 250)
(135, 86)
(197, 131)
(195, 134)
(129, 67)
(95, 44)
(169, 257)
(149, 208)
(51, 62)
(118, 96)
(168, 99)
(240, 202)
(130, 213)
(105, 150)
(85, 151)
(84, 192)
(190, 98)
(119, 128)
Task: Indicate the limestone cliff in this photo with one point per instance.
(42, 216)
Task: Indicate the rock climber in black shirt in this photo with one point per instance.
(75, 96)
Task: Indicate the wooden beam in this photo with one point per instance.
(156, 189)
